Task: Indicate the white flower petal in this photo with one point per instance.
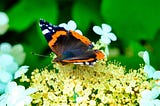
(146, 57)
(5, 47)
(28, 100)
(97, 30)
(78, 31)
(12, 67)
(106, 28)
(156, 75)
(145, 102)
(3, 100)
(22, 70)
(3, 18)
(19, 103)
(5, 77)
(146, 94)
(17, 95)
(149, 70)
(30, 91)
(63, 25)
(8, 64)
(5, 59)
(105, 39)
(18, 53)
(19, 90)
(2, 88)
(72, 25)
(155, 92)
(10, 86)
(156, 102)
(112, 36)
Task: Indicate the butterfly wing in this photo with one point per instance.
(51, 34)
(62, 42)
(69, 46)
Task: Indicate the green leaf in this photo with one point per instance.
(130, 59)
(34, 42)
(85, 13)
(136, 19)
(25, 12)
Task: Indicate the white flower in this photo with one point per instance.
(156, 75)
(2, 87)
(5, 77)
(16, 51)
(3, 23)
(147, 68)
(149, 97)
(10, 59)
(7, 68)
(71, 25)
(22, 70)
(5, 47)
(105, 32)
(16, 95)
(8, 64)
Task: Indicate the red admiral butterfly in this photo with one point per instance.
(69, 46)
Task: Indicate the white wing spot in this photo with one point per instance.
(87, 63)
(45, 31)
(49, 27)
(78, 63)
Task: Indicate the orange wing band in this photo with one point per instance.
(99, 55)
(83, 39)
(78, 61)
(55, 36)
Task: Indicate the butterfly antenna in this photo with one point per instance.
(39, 54)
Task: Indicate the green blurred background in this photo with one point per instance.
(136, 23)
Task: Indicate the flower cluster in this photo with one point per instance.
(11, 94)
(103, 84)
(16, 95)
(10, 60)
(11, 57)
(149, 97)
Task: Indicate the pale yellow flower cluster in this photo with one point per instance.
(75, 85)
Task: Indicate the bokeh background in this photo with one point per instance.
(136, 24)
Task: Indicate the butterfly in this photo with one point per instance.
(69, 46)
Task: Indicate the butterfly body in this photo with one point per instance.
(69, 46)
